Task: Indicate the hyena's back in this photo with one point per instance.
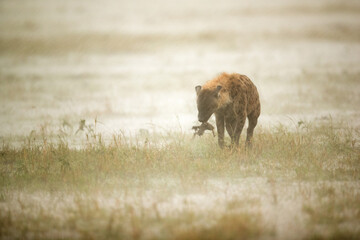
(239, 90)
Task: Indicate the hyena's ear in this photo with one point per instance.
(217, 90)
(197, 89)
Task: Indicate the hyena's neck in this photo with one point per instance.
(224, 98)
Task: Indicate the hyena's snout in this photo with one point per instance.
(202, 120)
(203, 117)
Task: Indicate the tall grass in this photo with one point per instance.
(125, 189)
(309, 152)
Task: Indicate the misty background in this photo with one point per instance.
(133, 65)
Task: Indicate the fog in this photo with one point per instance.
(133, 65)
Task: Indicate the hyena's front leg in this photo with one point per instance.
(220, 121)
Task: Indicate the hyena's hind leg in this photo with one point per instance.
(230, 124)
(253, 119)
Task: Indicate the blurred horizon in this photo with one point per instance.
(133, 65)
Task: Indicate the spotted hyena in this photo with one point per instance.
(232, 97)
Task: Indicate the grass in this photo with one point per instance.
(169, 186)
(310, 152)
(333, 216)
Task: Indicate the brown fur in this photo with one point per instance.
(232, 97)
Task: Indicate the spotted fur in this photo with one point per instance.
(233, 98)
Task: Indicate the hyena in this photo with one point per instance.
(232, 97)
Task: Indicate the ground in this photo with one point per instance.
(129, 69)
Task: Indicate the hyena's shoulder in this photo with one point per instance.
(239, 85)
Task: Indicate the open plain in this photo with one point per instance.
(132, 170)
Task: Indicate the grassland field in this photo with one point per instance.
(134, 170)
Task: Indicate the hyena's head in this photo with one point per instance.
(207, 102)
